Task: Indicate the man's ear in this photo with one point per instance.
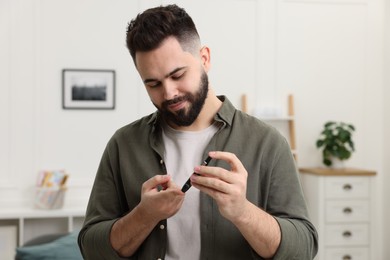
(205, 58)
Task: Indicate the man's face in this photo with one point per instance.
(186, 116)
(175, 80)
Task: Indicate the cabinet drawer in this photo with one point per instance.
(346, 235)
(347, 210)
(352, 253)
(347, 187)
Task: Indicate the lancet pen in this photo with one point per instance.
(188, 185)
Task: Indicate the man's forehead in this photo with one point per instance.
(163, 60)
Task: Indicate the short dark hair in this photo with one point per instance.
(149, 29)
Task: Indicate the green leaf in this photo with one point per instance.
(328, 124)
(320, 143)
(327, 162)
(351, 127)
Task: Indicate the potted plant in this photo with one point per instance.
(336, 142)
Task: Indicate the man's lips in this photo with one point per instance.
(177, 106)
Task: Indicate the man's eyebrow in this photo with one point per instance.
(166, 76)
(174, 71)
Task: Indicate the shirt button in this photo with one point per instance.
(162, 227)
(159, 259)
(161, 161)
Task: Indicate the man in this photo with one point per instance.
(245, 204)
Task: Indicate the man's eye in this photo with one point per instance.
(178, 75)
(154, 85)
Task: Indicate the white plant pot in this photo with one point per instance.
(337, 163)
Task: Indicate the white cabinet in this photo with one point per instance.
(339, 203)
(31, 223)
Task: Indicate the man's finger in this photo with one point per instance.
(155, 181)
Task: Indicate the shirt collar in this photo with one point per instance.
(226, 112)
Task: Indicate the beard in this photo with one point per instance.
(185, 117)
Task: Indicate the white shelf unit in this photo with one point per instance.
(285, 124)
(31, 223)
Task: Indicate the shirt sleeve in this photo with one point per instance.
(102, 211)
(299, 239)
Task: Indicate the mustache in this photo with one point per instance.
(174, 101)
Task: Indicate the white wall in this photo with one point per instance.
(328, 53)
(386, 194)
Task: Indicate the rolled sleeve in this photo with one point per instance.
(296, 242)
(97, 237)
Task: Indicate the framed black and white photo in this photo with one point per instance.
(88, 89)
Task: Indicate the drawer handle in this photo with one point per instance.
(347, 187)
(347, 234)
(347, 257)
(347, 210)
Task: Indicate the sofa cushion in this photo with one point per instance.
(64, 248)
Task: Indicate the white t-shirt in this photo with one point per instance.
(183, 151)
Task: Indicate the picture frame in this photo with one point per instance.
(88, 89)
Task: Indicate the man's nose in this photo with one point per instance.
(170, 90)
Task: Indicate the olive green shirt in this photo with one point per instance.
(135, 153)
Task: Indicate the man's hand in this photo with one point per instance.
(161, 198)
(130, 231)
(226, 187)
